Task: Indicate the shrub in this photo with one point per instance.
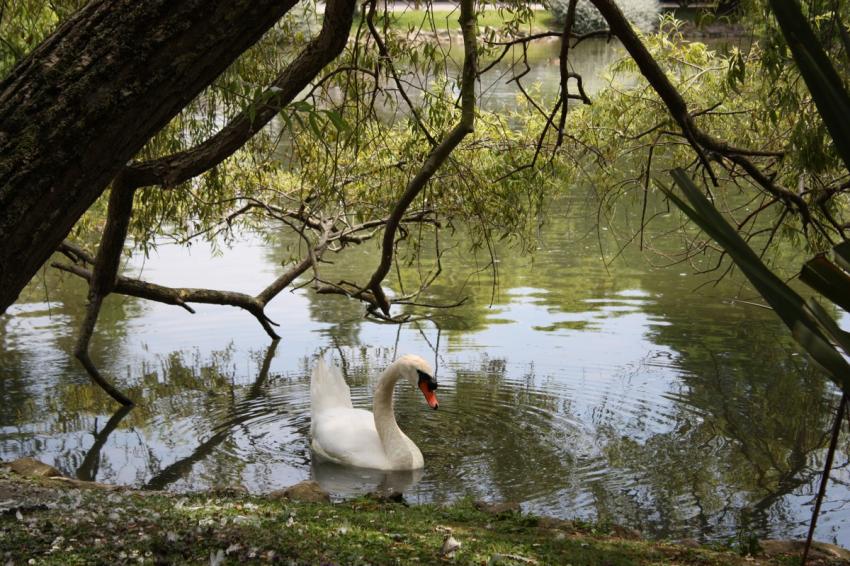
(643, 14)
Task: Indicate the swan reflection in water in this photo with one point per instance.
(345, 481)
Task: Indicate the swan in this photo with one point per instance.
(359, 438)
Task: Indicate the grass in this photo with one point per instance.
(442, 20)
(95, 526)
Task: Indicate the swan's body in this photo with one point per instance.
(356, 437)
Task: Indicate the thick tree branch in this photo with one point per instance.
(180, 296)
(75, 253)
(436, 158)
(699, 140)
(102, 279)
(113, 75)
(180, 167)
(563, 62)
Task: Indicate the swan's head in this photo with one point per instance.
(420, 374)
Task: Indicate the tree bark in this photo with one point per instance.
(90, 96)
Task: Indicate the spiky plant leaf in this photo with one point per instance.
(842, 255)
(804, 324)
(821, 78)
(827, 279)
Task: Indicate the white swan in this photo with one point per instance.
(355, 437)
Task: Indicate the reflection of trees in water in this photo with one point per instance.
(567, 267)
(344, 316)
(751, 418)
(58, 302)
(88, 468)
(15, 392)
(237, 415)
(183, 386)
(492, 436)
(740, 439)
(749, 423)
(749, 431)
(497, 437)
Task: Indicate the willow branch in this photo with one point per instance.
(102, 279)
(180, 296)
(387, 58)
(437, 156)
(180, 167)
(699, 140)
(563, 61)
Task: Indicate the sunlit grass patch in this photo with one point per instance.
(95, 526)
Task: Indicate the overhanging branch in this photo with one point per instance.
(435, 159)
(701, 142)
(180, 167)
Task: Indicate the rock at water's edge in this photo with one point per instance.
(819, 550)
(33, 468)
(306, 491)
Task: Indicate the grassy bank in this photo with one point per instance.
(51, 522)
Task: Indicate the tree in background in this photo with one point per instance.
(643, 14)
(295, 131)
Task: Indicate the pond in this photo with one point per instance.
(580, 387)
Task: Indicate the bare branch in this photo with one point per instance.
(102, 279)
(385, 55)
(180, 296)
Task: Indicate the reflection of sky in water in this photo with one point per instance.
(579, 394)
(532, 403)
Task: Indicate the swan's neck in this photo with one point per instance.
(400, 450)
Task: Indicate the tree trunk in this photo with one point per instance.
(86, 100)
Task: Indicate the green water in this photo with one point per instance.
(580, 390)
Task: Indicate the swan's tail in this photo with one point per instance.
(328, 389)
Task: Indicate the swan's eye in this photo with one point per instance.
(424, 377)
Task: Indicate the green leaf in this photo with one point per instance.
(821, 77)
(827, 279)
(824, 354)
(785, 301)
(842, 255)
(787, 304)
(315, 127)
(828, 325)
(287, 119)
(338, 121)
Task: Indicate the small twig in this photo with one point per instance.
(827, 467)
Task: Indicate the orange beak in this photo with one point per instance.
(430, 397)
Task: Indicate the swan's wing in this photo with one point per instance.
(328, 389)
(348, 437)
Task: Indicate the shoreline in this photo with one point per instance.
(48, 519)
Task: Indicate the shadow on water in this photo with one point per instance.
(87, 471)
(239, 414)
(350, 482)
